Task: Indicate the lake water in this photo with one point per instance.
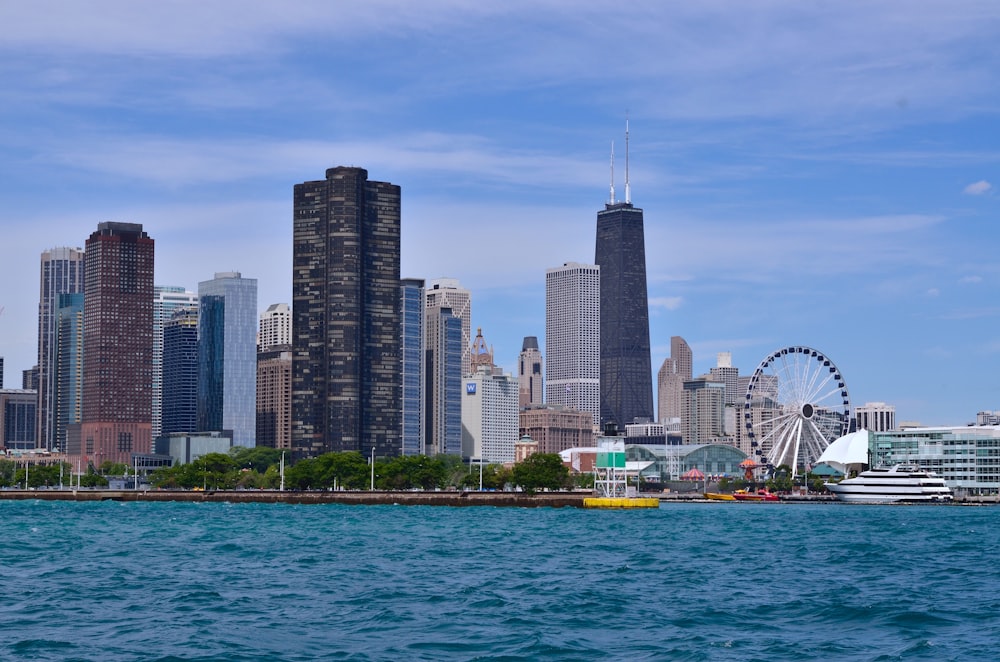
(724, 581)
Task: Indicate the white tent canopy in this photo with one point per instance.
(849, 449)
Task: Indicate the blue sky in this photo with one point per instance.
(820, 174)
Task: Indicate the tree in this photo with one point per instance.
(257, 459)
(541, 471)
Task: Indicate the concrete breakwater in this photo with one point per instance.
(510, 499)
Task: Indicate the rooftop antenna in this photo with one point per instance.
(612, 172)
(628, 190)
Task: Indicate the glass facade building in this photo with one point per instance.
(227, 356)
(18, 409)
(166, 300)
(346, 339)
(626, 374)
(68, 375)
(967, 457)
(412, 331)
(180, 372)
(62, 272)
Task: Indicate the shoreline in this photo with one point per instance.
(369, 498)
(509, 499)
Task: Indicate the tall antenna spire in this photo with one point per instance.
(628, 190)
(612, 172)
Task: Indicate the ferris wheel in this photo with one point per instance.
(796, 405)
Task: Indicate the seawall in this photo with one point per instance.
(510, 499)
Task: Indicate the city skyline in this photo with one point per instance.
(816, 176)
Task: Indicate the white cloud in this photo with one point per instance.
(933, 292)
(669, 303)
(971, 279)
(978, 188)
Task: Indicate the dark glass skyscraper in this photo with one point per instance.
(626, 375)
(346, 339)
(180, 372)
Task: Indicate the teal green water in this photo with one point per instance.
(166, 581)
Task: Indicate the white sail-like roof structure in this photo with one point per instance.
(850, 449)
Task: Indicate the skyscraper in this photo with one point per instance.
(68, 373)
(725, 372)
(166, 300)
(118, 346)
(448, 311)
(180, 372)
(443, 382)
(227, 356)
(274, 397)
(676, 369)
(274, 377)
(626, 375)
(529, 374)
(346, 315)
(572, 337)
(275, 327)
(62, 271)
(411, 291)
(448, 293)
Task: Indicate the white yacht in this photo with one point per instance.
(892, 484)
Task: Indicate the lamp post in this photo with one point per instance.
(373, 469)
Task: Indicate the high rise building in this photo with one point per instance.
(704, 411)
(626, 375)
(725, 372)
(1, 372)
(447, 306)
(346, 315)
(118, 346)
(529, 374)
(68, 375)
(180, 372)
(676, 369)
(29, 379)
(62, 271)
(448, 293)
(443, 387)
(411, 291)
(489, 415)
(166, 300)
(275, 327)
(274, 397)
(227, 356)
(573, 337)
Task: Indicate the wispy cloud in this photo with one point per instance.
(667, 303)
(978, 188)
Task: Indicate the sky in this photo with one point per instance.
(821, 174)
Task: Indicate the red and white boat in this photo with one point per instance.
(759, 495)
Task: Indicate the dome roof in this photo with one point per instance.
(849, 449)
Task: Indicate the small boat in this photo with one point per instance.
(759, 495)
(719, 496)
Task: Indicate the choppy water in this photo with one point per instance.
(153, 581)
